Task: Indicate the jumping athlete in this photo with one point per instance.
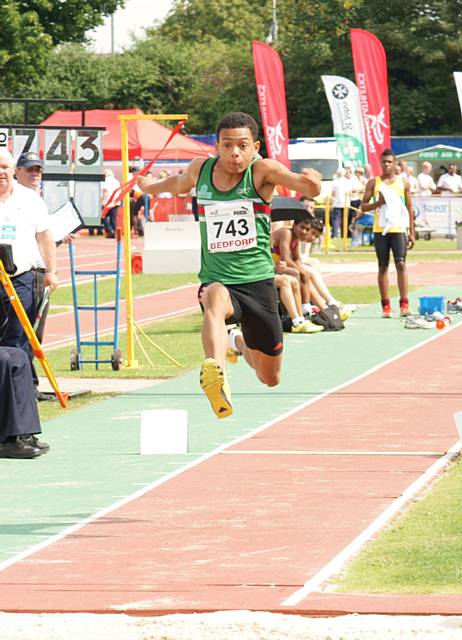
(234, 192)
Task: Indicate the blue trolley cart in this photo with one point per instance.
(77, 360)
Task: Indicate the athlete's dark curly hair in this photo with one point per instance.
(238, 120)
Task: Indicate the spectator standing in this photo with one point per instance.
(425, 183)
(403, 169)
(368, 172)
(111, 199)
(24, 226)
(356, 193)
(29, 170)
(413, 184)
(341, 190)
(450, 181)
(393, 214)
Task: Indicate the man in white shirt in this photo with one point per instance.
(450, 181)
(341, 190)
(111, 199)
(23, 226)
(29, 172)
(425, 183)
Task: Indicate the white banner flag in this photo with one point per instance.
(343, 97)
(458, 81)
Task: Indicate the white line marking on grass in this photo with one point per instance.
(157, 483)
(335, 565)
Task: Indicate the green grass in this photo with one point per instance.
(49, 410)
(424, 251)
(179, 337)
(142, 284)
(420, 552)
(362, 295)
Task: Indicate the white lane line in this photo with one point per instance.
(265, 452)
(157, 483)
(335, 565)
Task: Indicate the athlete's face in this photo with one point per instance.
(236, 149)
(312, 235)
(301, 229)
(388, 165)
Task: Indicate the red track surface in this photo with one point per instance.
(247, 528)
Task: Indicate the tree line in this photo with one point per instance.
(199, 60)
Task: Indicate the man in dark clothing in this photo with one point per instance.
(19, 419)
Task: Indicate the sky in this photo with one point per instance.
(137, 15)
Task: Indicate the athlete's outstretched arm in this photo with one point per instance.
(272, 172)
(180, 183)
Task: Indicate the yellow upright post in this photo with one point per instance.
(131, 362)
(346, 210)
(327, 225)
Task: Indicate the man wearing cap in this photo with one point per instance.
(24, 226)
(29, 168)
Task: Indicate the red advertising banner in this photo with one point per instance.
(370, 65)
(269, 75)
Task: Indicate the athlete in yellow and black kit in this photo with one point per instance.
(395, 237)
(234, 192)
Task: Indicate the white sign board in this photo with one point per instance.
(25, 140)
(57, 151)
(88, 151)
(4, 138)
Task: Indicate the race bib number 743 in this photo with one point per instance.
(230, 226)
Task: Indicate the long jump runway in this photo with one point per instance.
(264, 508)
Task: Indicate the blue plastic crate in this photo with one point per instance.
(430, 304)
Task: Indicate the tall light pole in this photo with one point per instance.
(112, 34)
(273, 34)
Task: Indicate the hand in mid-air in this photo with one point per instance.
(312, 174)
(144, 182)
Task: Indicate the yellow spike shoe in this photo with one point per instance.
(232, 356)
(215, 387)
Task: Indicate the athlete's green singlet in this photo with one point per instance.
(235, 230)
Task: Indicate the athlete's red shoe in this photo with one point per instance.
(387, 311)
(404, 310)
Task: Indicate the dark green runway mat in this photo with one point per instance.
(94, 460)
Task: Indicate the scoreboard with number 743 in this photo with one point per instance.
(72, 164)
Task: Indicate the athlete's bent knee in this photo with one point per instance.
(270, 379)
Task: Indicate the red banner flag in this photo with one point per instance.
(269, 75)
(370, 65)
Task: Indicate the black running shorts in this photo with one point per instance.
(255, 308)
(397, 242)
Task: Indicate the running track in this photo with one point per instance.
(256, 515)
